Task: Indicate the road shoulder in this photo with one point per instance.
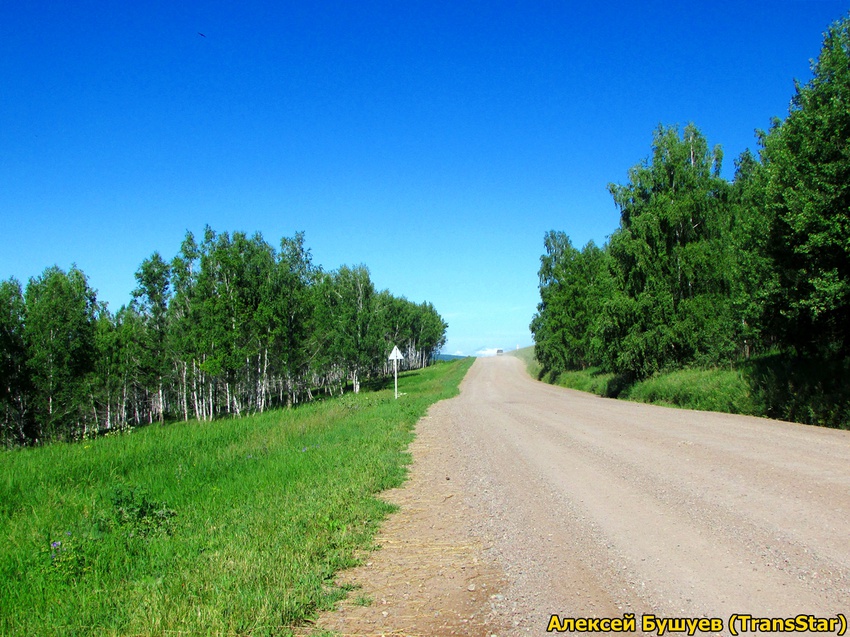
(434, 574)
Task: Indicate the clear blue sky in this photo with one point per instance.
(434, 142)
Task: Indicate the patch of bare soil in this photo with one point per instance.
(432, 574)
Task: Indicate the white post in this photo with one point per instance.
(395, 357)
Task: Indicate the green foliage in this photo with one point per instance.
(754, 280)
(363, 600)
(669, 260)
(806, 181)
(775, 384)
(752, 275)
(573, 287)
(657, 296)
(151, 303)
(15, 381)
(59, 337)
(811, 391)
(139, 515)
(234, 526)
(230, 326)
(351, 322)
(592, 379)
(726, 390)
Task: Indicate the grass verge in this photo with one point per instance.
(726, 390)
(233, 527)
(776, 385)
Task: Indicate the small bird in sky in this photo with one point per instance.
(201, 34)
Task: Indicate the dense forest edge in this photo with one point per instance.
(729, 296)
(230, 326)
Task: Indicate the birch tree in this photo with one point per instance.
(59, 336)
(16, 422)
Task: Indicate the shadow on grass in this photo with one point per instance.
(377, 384)
(811, 391)
(617, 384)
(778, 385)
(593, 379)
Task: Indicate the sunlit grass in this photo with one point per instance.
(234, 527)
(717, 389)
(590, 380)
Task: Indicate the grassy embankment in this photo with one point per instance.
(773, 385)
(234, 527)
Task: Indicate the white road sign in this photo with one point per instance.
(395, 357)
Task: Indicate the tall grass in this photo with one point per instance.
(776, 385)
(718, 389)
(592, 380)
(233, 527)
(809, 390)
(727, 390)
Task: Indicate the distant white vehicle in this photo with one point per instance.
(499, 352)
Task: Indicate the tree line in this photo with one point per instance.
(702, 271)
(229, 326)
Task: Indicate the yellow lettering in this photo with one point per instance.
(647, 623)
(748, 623)
(626, 623)
(738, 622)
(676, 625)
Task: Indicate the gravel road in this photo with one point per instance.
(581, 506)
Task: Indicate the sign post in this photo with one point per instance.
(395, 357)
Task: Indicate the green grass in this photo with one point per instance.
(234, 527)
(808, 390)
(363, 600)
(591, 380)
(726, 390)
(776, 385)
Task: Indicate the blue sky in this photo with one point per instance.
(434, 142)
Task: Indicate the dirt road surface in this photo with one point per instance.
(527, 500)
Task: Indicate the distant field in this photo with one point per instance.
(448, 357)
(232, 527)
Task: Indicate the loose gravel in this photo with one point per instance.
(527, 500)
